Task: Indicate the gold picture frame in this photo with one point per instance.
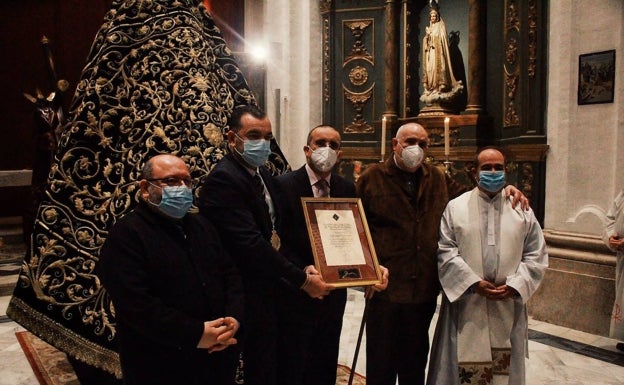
(343, 250)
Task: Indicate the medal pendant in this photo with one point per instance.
(275, 240)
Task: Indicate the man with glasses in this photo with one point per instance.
(241, 197)
(404, 198)
(177, 294)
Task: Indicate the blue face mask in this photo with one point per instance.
(256, 152)
(492, 181)
(176, 201)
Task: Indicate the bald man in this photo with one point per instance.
(404, 198)
(177, 295)
(491, 259)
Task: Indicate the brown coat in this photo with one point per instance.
(405, 230)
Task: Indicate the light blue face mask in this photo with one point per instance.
(492, 181)
(255, 151)
(176, 201)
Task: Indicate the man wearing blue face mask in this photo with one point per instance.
(491, 259)
(404, 198)
(176, 292)
(241, 197)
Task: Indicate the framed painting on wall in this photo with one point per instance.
(596, 77)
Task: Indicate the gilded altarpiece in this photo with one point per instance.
(372, 52)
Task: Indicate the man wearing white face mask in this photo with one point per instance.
(243, 200)
(491, 259)
(404, 198)
(310, 329)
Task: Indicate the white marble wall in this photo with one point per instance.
(585, 157)
(291, 31)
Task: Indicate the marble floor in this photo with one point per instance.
(558, 356)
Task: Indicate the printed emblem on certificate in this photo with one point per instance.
(341, 243)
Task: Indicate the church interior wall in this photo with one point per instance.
(292, 33)
(583, 161)
(582, 168)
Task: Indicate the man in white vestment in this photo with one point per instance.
(491, 259)
(613, 237)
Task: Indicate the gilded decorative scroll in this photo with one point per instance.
(358, 50)
(325, 5)
(512, 20)
(358, 101)
(511, 85)
(526, 179)
(511, 66)
(326, 75)
(357, 64)
(532, 38)
(358, 75)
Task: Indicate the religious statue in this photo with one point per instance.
(49, 118)
(439, 83)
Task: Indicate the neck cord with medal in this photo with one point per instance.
(275, 239)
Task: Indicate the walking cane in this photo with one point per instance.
(359, 342)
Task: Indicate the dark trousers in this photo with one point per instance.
(309, 337)
(397, 342)
(260, 336)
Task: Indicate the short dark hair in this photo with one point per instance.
(237, 114)
(148, 169)
(481, 149)
(319, 126)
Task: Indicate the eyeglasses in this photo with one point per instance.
(172, 181)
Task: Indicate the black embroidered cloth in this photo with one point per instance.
(159, 79)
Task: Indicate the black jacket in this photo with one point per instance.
(229, 198)
(165, 278)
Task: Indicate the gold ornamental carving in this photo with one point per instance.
(511, 85)
(532, 38)
(326, 69)
(325, 6)
(358, 50)
(358, 101)
(511, 66)
(358, 75)
(527, 178)
(512, 19)
(511, 52)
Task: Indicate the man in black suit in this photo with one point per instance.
(241, 197)
(310, 329)
(177, 294)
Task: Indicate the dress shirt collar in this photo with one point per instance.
(314, 178)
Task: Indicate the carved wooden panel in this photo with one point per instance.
(353, 83)
(524, 68)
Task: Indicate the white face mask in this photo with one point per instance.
(324, 158)
(412, 156)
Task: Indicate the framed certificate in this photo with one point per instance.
(341, 243)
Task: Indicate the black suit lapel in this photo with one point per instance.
(303, 183)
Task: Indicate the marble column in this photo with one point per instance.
(391, 65)
(476, 56)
